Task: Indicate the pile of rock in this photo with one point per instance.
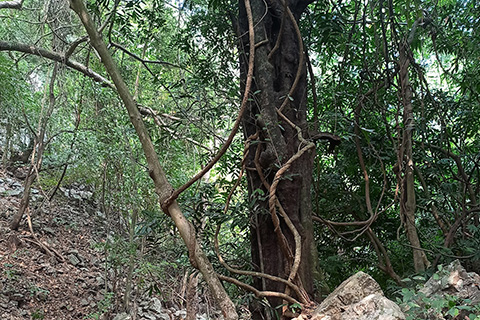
(152, 309)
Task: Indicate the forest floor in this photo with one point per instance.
(65, 282)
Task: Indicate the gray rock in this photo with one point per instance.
(449, 282)
(182, 314)
(156, 306)
(359, 297)
(14, 193)
(15, 184)
(373, 307)
(73, 259)
(454, 280)
(122, 316)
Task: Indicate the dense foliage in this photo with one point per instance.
(180, 61)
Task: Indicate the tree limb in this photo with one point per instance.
(55, 56)
(16, 4)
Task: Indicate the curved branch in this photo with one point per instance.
(258, 293)
(162, 186)
(243, 106)
(288, 283)
(58, 57)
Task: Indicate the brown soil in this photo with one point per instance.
(65, 283)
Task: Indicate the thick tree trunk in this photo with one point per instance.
(276, 112)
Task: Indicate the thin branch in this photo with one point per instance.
(136, 57)
(161, 124)
(58, 57)
(258, 293)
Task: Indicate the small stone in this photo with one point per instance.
(17, 297)
(181, 313)
(49, 230)
(16, 185)
(122, 316)
(73, 259)
(13, 193)
(156, 306)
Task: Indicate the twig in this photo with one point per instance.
(38, 242)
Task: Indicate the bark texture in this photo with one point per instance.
(281, 160)
(406, 164)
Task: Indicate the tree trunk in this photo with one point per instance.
(405, 161)
(162, 187)
(277, 113)
(39, 146)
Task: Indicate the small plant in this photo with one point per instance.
(39, 292)
(9, 272)
(296, 308)
(102, 306)
(38, 314)
(419, 306)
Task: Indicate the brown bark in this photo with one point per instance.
(283, 160)
(162, 186)
(405, 174)
(192, 297)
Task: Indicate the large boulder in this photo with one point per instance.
(359, 297)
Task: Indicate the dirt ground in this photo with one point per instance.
(55, 273)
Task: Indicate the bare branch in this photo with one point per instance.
(16, 4)
(58, 57)
(136, 57)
